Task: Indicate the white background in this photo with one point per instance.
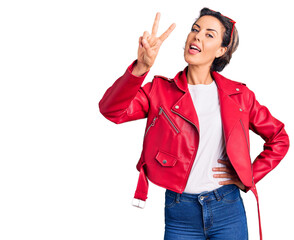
(68, 173)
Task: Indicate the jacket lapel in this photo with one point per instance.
(230, 110)
(184, 106)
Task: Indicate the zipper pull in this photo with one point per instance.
(153, 122)
(160, 111)
(151, 125)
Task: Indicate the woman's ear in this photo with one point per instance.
(221, 51)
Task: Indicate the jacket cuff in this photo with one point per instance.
(130, 70)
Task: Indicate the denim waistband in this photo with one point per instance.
(217, 194)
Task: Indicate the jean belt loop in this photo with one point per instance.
(218, 198)
(178, 197)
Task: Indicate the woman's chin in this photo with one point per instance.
(190, 60)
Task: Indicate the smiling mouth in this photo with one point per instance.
(195, 48)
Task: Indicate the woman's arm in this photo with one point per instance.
(126, 100)
(273, 132)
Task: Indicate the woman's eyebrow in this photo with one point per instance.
(208, 29)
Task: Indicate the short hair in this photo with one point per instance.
(230, 42)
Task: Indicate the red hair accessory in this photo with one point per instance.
(231, 20)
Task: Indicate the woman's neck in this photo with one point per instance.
(198, 75)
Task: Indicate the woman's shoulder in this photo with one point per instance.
(163, 78)
(226, 79)
(235, 87)
(229, 84)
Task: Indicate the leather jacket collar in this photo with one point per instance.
(226, 85)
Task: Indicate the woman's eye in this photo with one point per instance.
(196, 30)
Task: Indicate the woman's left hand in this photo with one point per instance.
(230, 173)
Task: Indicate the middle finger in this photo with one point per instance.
(222, 169)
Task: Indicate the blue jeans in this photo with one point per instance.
(213, 215)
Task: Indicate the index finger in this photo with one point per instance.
(226, 162)
(167, 32)
(155, 24)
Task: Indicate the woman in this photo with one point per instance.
(196, 142)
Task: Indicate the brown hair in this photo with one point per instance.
(230, 42)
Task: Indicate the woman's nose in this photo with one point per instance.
(199, 36)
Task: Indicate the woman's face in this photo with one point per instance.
(206, 35)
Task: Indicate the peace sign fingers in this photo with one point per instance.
(155, 28)
(149, 46)
(167, 32)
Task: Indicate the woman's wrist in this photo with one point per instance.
(139, 69)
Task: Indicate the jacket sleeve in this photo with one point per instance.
(273, 133)
(126, 100)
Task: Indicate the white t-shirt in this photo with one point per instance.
(211, 143)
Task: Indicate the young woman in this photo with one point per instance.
(196, 142)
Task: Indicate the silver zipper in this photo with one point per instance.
(245, 135)
(151, 125)
(185, 119)
(171, 123)
(247, 148)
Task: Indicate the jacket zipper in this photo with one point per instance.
(248, 149)
(171, 123)
(244, 134)
(195, 152)
(151, 125)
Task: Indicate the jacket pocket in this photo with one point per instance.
(171, 123)
(166, 159)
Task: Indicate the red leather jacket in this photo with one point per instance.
(172, 131)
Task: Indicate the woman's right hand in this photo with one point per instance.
(149, 46)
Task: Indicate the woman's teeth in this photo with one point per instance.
(194, 47)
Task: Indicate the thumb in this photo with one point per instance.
(140, 42)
